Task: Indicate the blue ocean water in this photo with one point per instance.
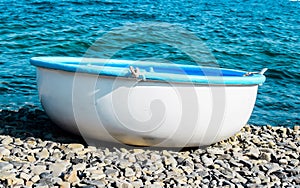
(247, 35)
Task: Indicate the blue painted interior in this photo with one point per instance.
(151, 70)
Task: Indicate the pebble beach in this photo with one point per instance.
(242, 35)
(36, 153)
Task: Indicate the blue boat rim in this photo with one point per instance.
(150, 71)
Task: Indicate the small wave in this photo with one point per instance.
(283, 74)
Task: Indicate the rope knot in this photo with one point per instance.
(135, 72)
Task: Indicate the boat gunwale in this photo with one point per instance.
(120, 68)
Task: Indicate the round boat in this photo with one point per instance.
(145, 103)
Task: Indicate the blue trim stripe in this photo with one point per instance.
(150, 70)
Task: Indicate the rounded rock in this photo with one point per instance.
(4, 151)
(129, 172)
(7, 140)
(4, 166)
(76, 147)
(207, 161)
(283, 161)
(38, 169)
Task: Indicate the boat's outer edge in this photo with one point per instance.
(44, 62)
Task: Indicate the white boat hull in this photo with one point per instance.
(144, 113)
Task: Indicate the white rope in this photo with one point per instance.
(261, 72)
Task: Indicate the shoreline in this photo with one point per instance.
(256, 156)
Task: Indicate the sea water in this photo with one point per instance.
(247, 35)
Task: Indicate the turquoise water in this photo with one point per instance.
(247, 35)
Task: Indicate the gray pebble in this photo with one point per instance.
(272, 167)
(207, 161)
(215, 151)
(75, 147)
(111, 172)
(4, 151)
(25, 176)
(137, 183)
(228, 173)
(245, 159)
(35, 178)
(44, 154)
(129, 172)
(280, 174)
(45, 175)
(58, 168)
(4, 166)
(7, 140)
(266, 156)
(246, 163)
(253, 152)
(140, 157)
(294, 162)
(38, 169)
(4, 175)
(96, 183)
(283, 161)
